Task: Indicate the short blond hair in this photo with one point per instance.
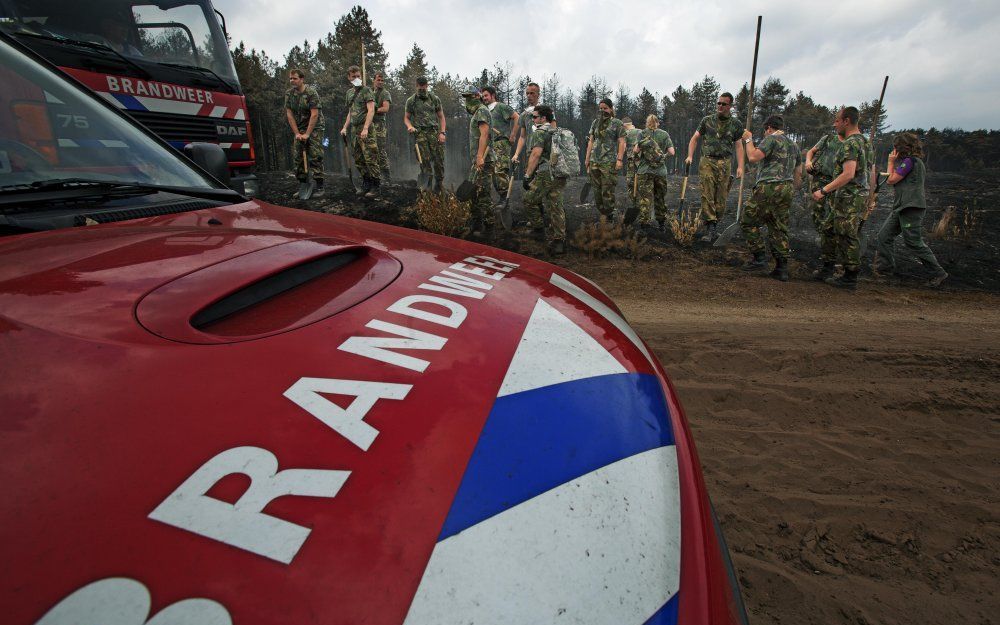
(652, 122)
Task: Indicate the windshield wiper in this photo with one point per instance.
(92, 45)
(70, 189)
(202, 70)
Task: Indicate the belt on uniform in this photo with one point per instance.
(718, 158)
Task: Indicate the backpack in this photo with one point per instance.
(649, 149)
(565, 159)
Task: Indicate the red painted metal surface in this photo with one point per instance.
(103, 419)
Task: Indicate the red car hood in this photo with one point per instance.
(259, 415)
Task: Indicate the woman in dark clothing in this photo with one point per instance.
(906, 175)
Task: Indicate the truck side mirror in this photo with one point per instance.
(211, 158)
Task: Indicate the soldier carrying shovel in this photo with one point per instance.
(305, 117)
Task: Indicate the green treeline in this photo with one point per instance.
(265, 81)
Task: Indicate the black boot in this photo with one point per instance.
(709, 235)
(780, 271)
(318, 192)
(757, 263)
(373, 188)
(557, 247)
(847, 281)
(826, 271)
(365, 186)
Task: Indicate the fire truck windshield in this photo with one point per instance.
(182, 34)
(53, 130)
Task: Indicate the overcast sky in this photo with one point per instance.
(942, 57)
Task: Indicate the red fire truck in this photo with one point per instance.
(164, 62)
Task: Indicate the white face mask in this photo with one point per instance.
(356, 82)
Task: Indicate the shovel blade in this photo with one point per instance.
(727, 235)
(584, 192)
(306, 189)
(424, 182)
(465, 191)
(504, 216)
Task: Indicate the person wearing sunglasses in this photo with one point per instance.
(543, 189)
(722, 134)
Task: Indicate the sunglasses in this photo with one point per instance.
(723, 104)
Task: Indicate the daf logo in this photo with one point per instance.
(231, 131)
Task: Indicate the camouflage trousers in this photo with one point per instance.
(313, 149)
(818, 210)
(714, 175)
(652, 198)
(501, 165)
(365, 154)
(603, 179)
(842, 226)
(481, 206)
(431, 154)
(907, 222)
(769, 205)
(546, 194)
(381, 132)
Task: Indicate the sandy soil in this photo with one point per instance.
(850, 442)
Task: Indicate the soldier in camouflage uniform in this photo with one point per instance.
(850, 192)
(360, 101)
(305, 116)
(771, 201)
(383, 101)
(652, 149)
(721, 131)
(502, 134)
(605, 151)
(543, 190)
(480, 131)
(424, 119)
(821, 160)
(631, 160)
(523, 130)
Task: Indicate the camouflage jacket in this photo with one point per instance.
(718, 136)
(381, 95)
(825, 157)
(854, 148)
(631, 138)
(542, 138)
(300, 104)
(502, 117)
(358, 105)
(654, 146)
(781, 157)
(423, 111)
(605, 133)
(479, 116)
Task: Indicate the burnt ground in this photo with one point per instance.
(850, 441)
(969, 250)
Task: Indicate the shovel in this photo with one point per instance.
(348, 162)
(307, 186)
(585, 191)
(630, 213)
(467, 189)
(503, 214)
(423, 180)
(729, 232)
(684, 185)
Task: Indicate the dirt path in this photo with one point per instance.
(850, 441)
